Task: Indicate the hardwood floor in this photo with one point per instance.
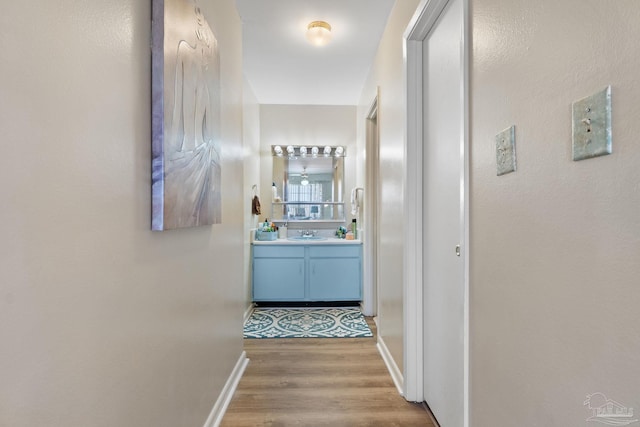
(319, 382)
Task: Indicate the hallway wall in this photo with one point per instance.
(387, 73)
(555, 246)
(103, 322)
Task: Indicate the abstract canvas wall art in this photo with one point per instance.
(186, 164)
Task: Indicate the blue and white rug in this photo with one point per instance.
(306, 323)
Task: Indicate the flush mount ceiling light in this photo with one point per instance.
(319, 33)
(305, 177)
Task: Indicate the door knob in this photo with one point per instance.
(457, 250)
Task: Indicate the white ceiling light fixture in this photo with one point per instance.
(319, 33)
(290, 150)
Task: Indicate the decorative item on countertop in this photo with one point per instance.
(341, 232)
(349, 236)
(282, 231)
(267, 231)
(354, 228)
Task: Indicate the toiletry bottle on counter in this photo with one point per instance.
(274, 192)
(354, 228)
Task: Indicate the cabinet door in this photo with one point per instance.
(335, 279)
(278, 279)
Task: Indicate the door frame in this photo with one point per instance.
(421, 24)
(371, 206)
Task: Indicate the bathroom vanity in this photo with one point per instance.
(307, 192)
(289, 271)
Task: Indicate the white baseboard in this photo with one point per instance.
(215, 417)
(248, 312)
(396, 375)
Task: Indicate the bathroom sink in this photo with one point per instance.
(305, 238)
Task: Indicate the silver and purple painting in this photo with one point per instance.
(186, 168)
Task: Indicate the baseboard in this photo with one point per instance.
(215, 417)
(248, 312)
(396, 375)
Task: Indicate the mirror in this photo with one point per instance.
(308, 188)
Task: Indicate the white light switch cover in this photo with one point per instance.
(592, 125)
(506, 151)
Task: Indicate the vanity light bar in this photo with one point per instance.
(303, 151)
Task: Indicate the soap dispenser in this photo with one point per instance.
(354, 228)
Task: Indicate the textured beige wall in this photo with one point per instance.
(555, 247)
(306, 125)
(387, 73)
(103, 322)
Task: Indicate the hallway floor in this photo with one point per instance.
(318, 382)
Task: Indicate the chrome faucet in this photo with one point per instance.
(307, 233)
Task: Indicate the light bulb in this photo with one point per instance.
(319, 33)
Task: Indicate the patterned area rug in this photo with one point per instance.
(306, 323)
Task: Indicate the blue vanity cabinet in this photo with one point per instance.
(335, 273)
(278, 273)
(307, 273)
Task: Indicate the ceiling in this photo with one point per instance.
(282, 67)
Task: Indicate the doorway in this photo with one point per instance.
(436, 285)
(372, 166)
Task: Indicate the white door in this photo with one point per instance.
(443, 217)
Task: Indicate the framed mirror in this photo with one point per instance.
(309, 186)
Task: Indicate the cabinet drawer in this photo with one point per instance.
(278, 251)
(334, 251)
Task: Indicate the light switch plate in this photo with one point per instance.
(506, 151)
(592, 126)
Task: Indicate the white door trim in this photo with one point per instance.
(419, 27)
(371, 217)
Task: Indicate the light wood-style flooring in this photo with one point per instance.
(319, 382)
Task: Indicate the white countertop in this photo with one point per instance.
(328, 241)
